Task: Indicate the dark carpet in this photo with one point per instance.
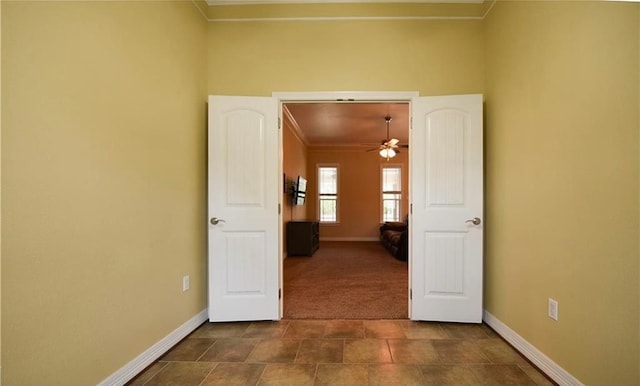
(346, 280)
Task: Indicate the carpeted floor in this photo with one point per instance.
(346, 280)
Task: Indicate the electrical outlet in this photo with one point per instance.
(186, 283)
(553, 309)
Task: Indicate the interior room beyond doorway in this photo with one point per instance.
(349, 137)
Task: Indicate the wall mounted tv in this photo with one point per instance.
(301, 185)
(300, 191)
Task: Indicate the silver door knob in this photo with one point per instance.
(475, 221)
(216, 221)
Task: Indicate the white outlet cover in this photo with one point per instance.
(553, 309)
(186, 283)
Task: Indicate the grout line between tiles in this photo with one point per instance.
(159, 370)
(261, 374)
(252, 350)
(284, 332)
(206, 351)
(390, 352)
(209, 373)
(315, 374)
(298, 350)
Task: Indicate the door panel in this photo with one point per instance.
(243, 195)
(447, 191)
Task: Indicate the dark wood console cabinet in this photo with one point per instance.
(303, 238)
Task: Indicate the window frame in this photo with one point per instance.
(319, 195)
(383, 192)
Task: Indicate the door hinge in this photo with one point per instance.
(279, 123)
(279, 293)
(411, 208)
(279, 209)
(410, 294)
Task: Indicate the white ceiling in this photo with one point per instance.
(349, 124)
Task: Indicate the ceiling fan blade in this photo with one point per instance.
(406, 146)
(377, 148)
(393, 141)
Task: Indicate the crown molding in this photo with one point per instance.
(254, 2)
(297, 131)
(342, 10)
(348, 18)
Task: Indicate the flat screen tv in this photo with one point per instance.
(301, 185)
(300, 191)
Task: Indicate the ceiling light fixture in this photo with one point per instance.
(387, 153)
(387, 149)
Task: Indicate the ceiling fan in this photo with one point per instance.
(389, 146)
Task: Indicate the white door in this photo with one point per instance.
(447, 208)
(243, 208)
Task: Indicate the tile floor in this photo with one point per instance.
(341, 352)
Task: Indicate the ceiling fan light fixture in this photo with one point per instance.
(387, 153)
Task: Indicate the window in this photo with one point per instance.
(391, 193)
(328, 194)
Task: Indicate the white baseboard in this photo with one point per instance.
(133, 368)
(544, 363)
(349, 239)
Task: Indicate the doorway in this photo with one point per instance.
(245, 196)
(352, 275)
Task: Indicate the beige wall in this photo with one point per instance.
(294, 164)
(562, 181)
(359, 201)
(432, 57)
(103, 183)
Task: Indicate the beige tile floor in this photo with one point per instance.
(341, 352)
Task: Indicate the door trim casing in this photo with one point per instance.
(346, 96)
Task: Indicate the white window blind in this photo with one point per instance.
(391, 193)
(328, 193)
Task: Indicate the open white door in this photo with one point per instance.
(243, 208)
(447, 208)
